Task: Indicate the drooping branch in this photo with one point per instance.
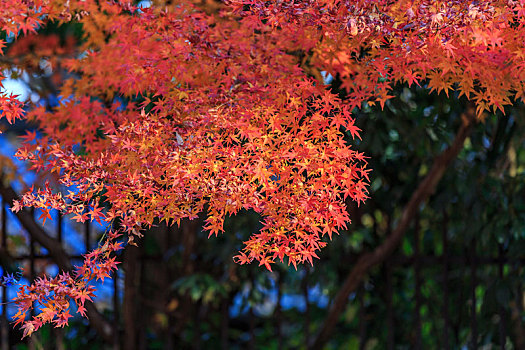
(59, 256)
(368, 260)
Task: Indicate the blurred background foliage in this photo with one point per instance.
(456, 280)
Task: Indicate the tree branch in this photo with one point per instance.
(59, 256)
(368, 260)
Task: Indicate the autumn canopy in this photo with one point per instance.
(174, 111)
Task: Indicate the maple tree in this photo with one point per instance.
(174, 111)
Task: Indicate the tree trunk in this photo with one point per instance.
(368, 260)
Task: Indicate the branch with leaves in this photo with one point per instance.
(172, 111)
(61, 259)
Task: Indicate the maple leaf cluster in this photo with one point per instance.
(171, 112)
(233, 124)
(53, 296)
(476, 48)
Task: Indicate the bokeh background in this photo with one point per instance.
(455, 282)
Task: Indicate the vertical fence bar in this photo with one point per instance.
(389, 307)
(417, 278)
(225, 324)
(59, 228)
(170, 241)
(31, 343)
(473, 281)
(129, 315)
(59, 332)
(446, 318)
(306, 324)
(116, 315)
(196, 326)
(502, 335)
(32, 256)
(251, 316)
(87, 237)
(116, 304)
(142, 322)
(279, 313)
(5, 324)
(362, 318)
(517, 312)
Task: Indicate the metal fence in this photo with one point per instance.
(381, 314)
(34, 255)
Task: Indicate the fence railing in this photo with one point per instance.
(449, 272)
